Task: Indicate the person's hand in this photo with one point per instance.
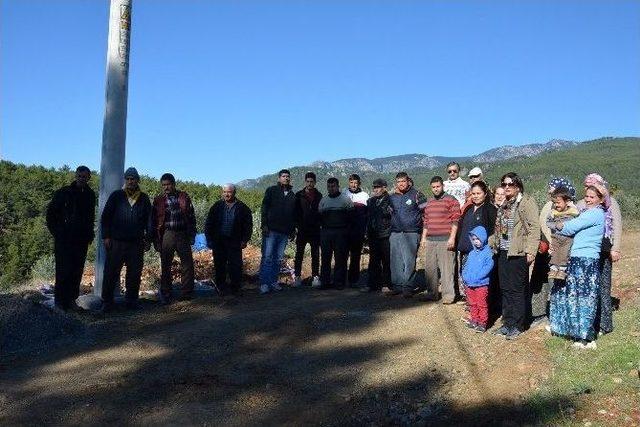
(559, 225)
(530, 258)
(107, 243)
(451, 244)
(243, 245)
(615, 256)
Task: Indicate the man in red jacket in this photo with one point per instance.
(440, 220)
(174, 223)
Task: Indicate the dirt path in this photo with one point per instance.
(297, 357)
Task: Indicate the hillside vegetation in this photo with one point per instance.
(26, 191)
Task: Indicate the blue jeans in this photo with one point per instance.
(273, 246)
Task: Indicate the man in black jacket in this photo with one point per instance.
(228, 230)
(278, 225)
(308, 225)
(379, 213)
(127, 234)
(70, 218)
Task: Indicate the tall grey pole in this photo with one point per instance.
(114, 131)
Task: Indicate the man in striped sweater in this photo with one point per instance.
(440, 225)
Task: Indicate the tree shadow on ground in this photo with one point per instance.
(299, 357)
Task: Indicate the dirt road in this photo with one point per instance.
(300, 356)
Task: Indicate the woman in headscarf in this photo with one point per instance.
(610, 253)
(574, 303)
(540, 284)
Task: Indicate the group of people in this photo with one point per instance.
(491, 249)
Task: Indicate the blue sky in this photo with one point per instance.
(225, 90)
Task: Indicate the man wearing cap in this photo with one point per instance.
(70, 218)
(126, 233)
(174, 224)
(454, 185)
(358, 227)
(378, 231)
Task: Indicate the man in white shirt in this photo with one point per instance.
(456, 186)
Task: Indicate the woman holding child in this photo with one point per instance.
(574, 302)
(480, 212)
(610, 251)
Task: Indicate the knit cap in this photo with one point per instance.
(131, 173)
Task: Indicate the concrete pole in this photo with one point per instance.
(114, 131)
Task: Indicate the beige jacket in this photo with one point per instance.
(526, 229)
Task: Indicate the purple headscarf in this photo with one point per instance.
(598, 181)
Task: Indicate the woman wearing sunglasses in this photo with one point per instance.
(516, 240)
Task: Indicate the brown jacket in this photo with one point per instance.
(159, 211)
(526, 229)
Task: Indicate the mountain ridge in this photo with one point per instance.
(414, 161)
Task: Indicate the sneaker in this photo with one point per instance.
(502, 330)
(276, 286)
(591, 345)
(448, 301)
(429, 298)
(479, 328)
(513, 334)
(264, 289)
(391, 291)
(316, 283)
(471, 324)
(579, 345)
(407, 293)
(297, 282)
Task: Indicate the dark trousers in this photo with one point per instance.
(121, 253)
(301, 242)
(227, 258)
(70, 258)
(379, 263)
(333, 243)
(514, 284)
(355, 252)
(604, 316)
(172, 242)
(540, 287)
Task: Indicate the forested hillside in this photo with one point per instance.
(26, 191)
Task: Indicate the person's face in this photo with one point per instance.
(402, 184)
(436, 188)
(476, 242)
(559, 203)
(354, 184)
(284, 179)
(168, 187)
(474, 178)
(333, 188)
(591, 198)
(498, 196)
(379, 191)
(131, 183)
(510, 188)
(228, 194)
(478, 196)
(310, 183)
(453, 172)
(82, 178)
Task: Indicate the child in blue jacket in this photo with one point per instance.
(476, 274)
